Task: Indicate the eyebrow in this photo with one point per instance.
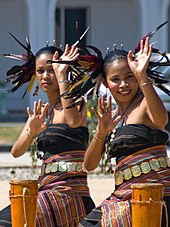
(124, 74)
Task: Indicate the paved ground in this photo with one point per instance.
(100, 187)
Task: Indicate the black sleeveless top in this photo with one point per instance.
(131, 138)
(58, 138)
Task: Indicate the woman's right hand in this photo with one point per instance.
(104, 115)
(70, 54)
(36, 118)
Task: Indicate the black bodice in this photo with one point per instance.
(131, 138)
(58, 138)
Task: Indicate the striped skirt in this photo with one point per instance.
(116, 210)
(60, 196)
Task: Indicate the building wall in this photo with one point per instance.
(111, 21)
(14, 19)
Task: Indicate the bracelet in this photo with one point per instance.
(150, 81)
(96, 137)
(64, 81)
(28, 133)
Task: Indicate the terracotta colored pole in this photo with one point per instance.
(147, 204)
(23, 196)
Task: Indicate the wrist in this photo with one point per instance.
(61, 74)
(30, 134)
(64, 81)
(146, 82)
(98, 136)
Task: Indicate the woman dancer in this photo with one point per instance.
(134, 129)
(62, 134)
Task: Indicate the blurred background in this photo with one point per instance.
(111, 22)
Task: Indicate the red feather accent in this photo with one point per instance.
(150, 35)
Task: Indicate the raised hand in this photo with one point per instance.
(70, 54)
(36, 119)
(139, 65)
(104, 115)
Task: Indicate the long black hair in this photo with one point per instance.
(111, 56)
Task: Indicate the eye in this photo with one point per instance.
(115, 79)
(129, 76)
(40, 71)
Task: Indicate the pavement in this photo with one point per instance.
(100, 186)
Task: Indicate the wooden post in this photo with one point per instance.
(23, 197)
(147, 204)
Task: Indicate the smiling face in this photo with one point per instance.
(45, 74)
(121, 81)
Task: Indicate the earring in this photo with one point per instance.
(36, 91)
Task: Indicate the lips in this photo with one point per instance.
(125, 92)
(46, 83)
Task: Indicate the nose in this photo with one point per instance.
(123, 83)
(45, 74)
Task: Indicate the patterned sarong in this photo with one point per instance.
(116, 209)
(60, 194)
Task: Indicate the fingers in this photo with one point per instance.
(116, 120)
(29, 112)
(39, 106)
(130, 55)
(55, 56)
(104, 106)
(145, 47)
(95, 112)
(71, 52)
(45, 110)
(35, 109)
(67, 48)
(110, 104)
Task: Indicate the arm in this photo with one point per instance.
(34, 125)
(73, 117)
(105, 125)
(154, 106)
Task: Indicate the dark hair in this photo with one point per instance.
(111, 57)
(48, 50)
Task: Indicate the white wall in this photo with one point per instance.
(111, 21)
(14, 19)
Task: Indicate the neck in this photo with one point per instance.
(53, 98)
(127, 107)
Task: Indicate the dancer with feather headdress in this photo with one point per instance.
(61, 135)
(134, 133)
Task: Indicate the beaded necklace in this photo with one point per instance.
(111, 135)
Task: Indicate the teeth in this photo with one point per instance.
(124, 92)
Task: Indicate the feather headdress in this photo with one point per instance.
(21, 74)
(159, 65)
(85, 73)
(87, 70)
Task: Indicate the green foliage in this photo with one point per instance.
(92, 123)
(33, 155)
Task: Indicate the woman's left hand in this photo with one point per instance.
(139, 65)
(70, 54)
